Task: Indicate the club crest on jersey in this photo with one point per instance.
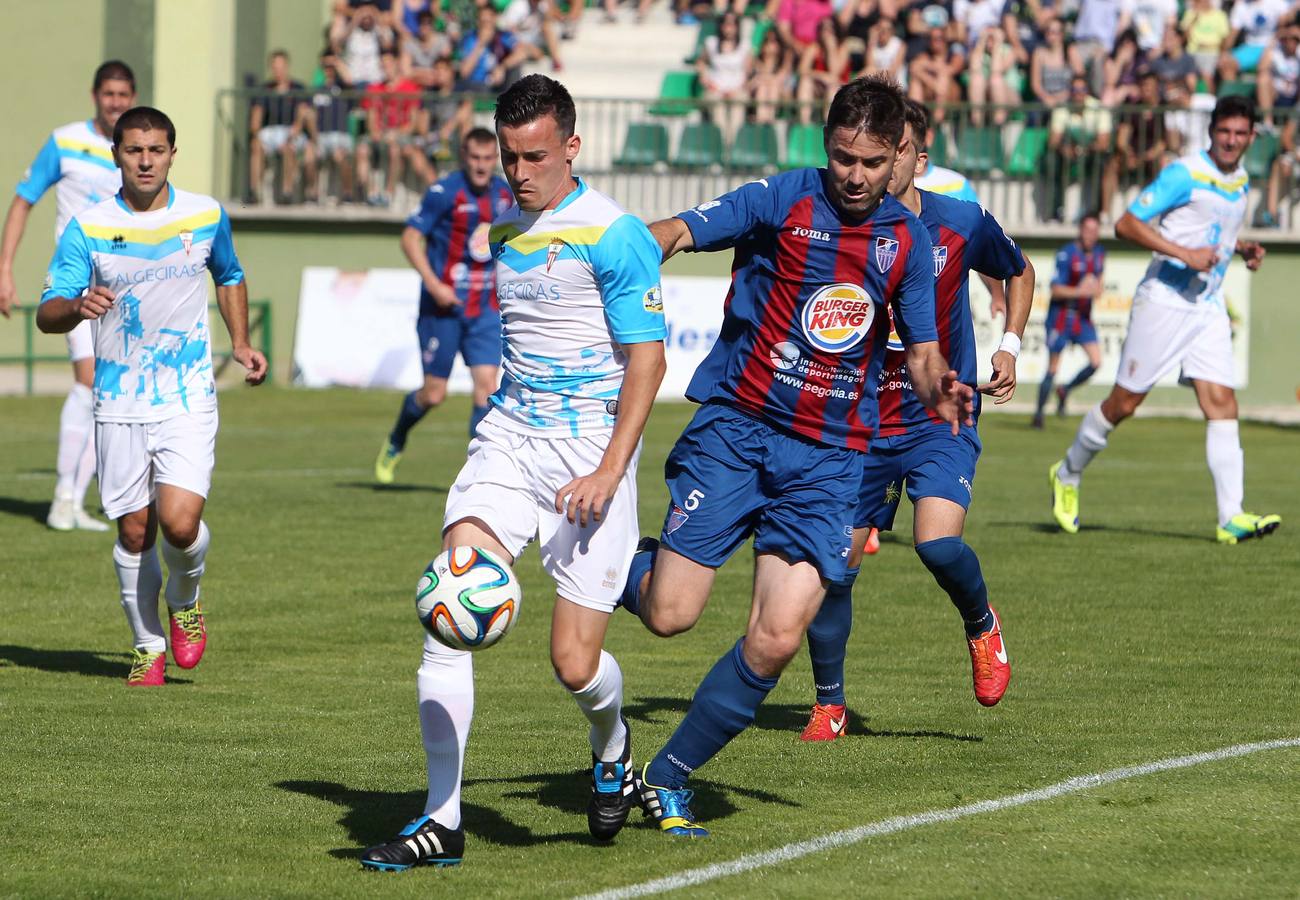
(940, 259)
(886, 253)
(187, 241)
(838, 317)
(552, 251)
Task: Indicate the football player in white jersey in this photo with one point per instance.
(136, 266)
(76, 160)
(1179, 317)
(555, 458)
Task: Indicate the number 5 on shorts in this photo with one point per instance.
(692, 501)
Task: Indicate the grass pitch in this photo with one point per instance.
(295, 744)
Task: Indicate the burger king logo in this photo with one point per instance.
(838, 317)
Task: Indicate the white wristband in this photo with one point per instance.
(1010, 343)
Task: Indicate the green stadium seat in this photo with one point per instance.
(756, 147)
(700, 146)
(1027, 156)
(677, 94)
(761, 27)
(804, 147)
(1242, 88)
(645, 144)
(980, 150)
(1260, 156)
(939, 149)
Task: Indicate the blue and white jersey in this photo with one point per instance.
(1199, 206)
(575, 283)
(946, 182)
(153, 353)
(79, 160)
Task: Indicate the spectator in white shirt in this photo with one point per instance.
(1253, 23)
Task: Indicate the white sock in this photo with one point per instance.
(76, 430)
(184, 569)
(1088, 442)
(85, 471)
(601, 701)
(140, 578)
(1227, 466)
(446, 688)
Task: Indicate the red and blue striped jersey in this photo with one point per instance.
(965, 237)
(805, 322)
(455, 220)
(1072, 263)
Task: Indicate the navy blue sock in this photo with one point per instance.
(411, 413)
(642, 562)
(1044, 391)
(828, 639)
(476, 416)
(954, 565)
(1084, 374)
(724, 705)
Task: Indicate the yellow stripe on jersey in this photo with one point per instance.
(84, 147)
(532, 241)
(157, 235)
(1228, 187)
(948, 187)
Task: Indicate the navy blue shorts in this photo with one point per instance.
(932, 462)
(1066, 327)
(477, 340)
(731, 476)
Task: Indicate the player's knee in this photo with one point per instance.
(430, 397)
(769, 649)
(574, 670)
(182, 533)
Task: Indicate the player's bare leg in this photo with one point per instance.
(673, 595)
(485, 379)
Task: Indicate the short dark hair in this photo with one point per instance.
(424, 16)
(113, 70)
(873, 104)
(532, 97)
(1090, 214)
(278, 51)
(478, 135)
(146, 118)
(918, 117)
(1231, 108)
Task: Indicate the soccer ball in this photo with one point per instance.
(467, 598)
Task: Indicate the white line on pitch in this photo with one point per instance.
(902, 823)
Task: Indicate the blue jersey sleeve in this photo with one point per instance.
(1061, 275)
(626, 263)
(997, 256)
(1172, 188)
(222, 261)
(42, 174)
(72, 267)
(913, 302)
(724, 222)
(433, 206)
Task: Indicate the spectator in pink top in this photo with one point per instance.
(797, 20)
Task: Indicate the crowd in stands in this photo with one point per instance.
(1088, 71)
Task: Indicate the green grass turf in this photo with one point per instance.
(264, 771)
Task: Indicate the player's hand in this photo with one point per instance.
(253, 361)
(1201, 259)
(1253, 253)
(94, 303)
(8, 293)
(997, 307)
(956, 402)
(444, 296)
(1002, 386)
(583, 500)
(1089, 285)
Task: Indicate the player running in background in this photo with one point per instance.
(77, 161)
(1179, 317)
(136, 266)
(446, 241)
(914, 447)
(788, 405)
(555, 458)
(1076, 284)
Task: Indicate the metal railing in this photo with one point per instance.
(259, 330)
(1036, 168)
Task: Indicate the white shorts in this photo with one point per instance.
(509, 482)
(1196, 337)
(135, 457)
(81, 343)
(274, 137)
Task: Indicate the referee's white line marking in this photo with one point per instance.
(902, 823)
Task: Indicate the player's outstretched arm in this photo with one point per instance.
(1131, 228)
(672, 235)
(232, 300)
(15, 224)
(1020, 297)
(59, 315)
(938, 387)
(584, 499)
